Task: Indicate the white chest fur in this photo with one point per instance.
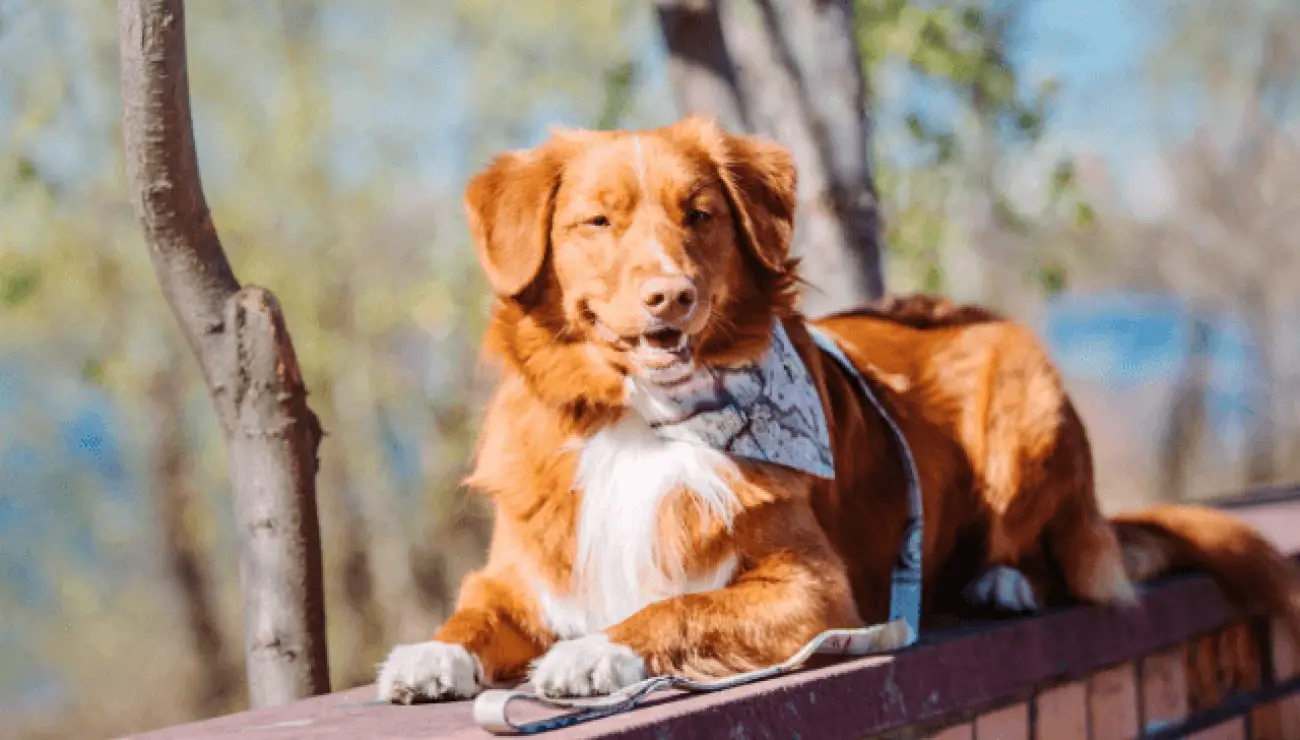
(626, 473)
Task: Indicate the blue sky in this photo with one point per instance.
(1096, 49)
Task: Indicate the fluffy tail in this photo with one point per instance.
(1252, 573)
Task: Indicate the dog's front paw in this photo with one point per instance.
(429, 671)
(588, 666)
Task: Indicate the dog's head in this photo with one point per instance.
(641, 255)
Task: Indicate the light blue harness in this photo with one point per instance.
(905, 585)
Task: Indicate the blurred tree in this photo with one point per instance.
(949, 223)
(1185, 429)
(791, 70)
(700, 68)
(1232, 70)
(187, 564)
(244, 351)
(945, 176)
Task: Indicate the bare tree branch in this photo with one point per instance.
(239, 338)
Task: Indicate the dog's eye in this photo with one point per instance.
(696, 216)
(599, 221)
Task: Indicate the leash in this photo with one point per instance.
(491, 707)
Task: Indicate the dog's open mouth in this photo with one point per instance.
(663, 356)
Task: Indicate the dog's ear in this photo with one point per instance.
(509, 206)
(760, 179)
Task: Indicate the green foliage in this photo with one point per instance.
(620, 82)
(962, 49)
(975, 110)
(1084, 216)
(1052, 278)
(18, 283)
(25, 171)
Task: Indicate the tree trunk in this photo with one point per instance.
(186, 564)
(838, 234)
(369, 486)
(1185, 428)
(388, 552)
(1291, 448)
(699, 67)
(244, 351)
(359, 618)
(1261, 437)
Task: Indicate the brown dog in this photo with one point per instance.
(628, 266)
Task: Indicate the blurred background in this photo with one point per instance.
(1124, 175)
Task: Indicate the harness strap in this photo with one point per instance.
(905, 583)
(491, 708)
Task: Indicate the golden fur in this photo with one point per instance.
(567, 234)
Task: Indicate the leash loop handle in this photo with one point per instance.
(491, 708)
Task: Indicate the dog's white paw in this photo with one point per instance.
(429, 671)
(588, 666)
(1003, 587)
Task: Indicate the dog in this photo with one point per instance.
(642, 279)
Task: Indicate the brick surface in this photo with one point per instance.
(1164, 689)
(1231, 730)
(1008, 723)
(1221, 664)
(1063, 712)
(1240, 658)
(1289, 710)
(1277, 720)
(1113, 703)
(1266, 722)
(1286, 661)
(959, 732)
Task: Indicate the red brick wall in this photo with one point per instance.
(1238, 683)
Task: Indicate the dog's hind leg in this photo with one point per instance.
(1081, 541)
(1038, 488)
(1084, 545)
(1004, 589)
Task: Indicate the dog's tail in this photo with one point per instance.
(1252, 573)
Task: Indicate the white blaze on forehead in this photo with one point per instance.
(664, 261)
(640, 162)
